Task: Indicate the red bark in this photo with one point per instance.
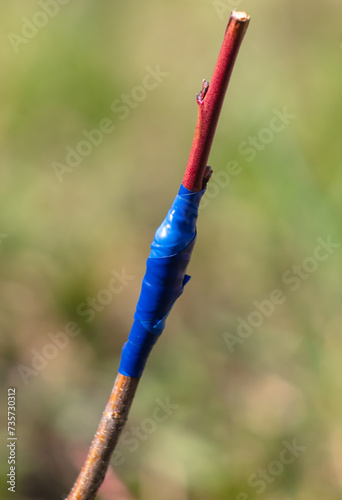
(210, 101)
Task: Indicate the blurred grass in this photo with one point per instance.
(65, 238)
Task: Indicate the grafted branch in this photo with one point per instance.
(210, 101)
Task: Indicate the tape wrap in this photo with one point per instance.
(164, 280)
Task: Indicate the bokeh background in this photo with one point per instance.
(234, 408)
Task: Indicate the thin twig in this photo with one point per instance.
(210, 101)
(113, 420)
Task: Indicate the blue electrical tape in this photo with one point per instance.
(164, 280)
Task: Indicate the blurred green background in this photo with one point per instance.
(61, 237)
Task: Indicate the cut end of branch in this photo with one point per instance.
(240, 16)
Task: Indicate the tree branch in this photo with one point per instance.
(210, 101)
(113, 420)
